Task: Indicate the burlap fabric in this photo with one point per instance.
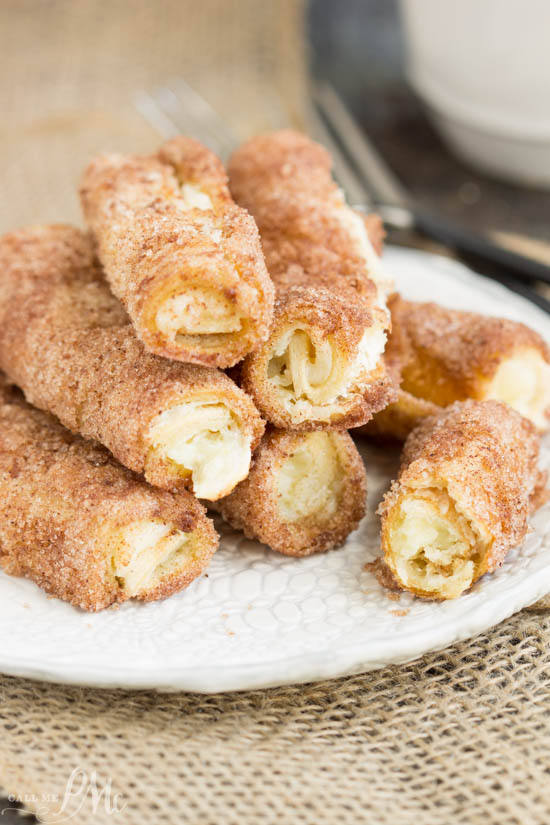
(460, 737)
(70, 70)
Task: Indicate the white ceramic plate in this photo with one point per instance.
(260, 619)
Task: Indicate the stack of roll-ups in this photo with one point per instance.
(120, 335)
(321, 369)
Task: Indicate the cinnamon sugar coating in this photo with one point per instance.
(305, 493)
(63, 503)
(441, 355)
(185, 261)
(479, 458)
(284, 180)
(449, 352)
(324, 260)
(66, 341)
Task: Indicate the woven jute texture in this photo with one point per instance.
(71, 68)
(462, 736)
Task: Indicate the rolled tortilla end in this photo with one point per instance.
(466, 487)
(305, 492)
(206, 442)
(183, 258)
(322, 365)
(194, 315)
(66, 341)
(84, 528)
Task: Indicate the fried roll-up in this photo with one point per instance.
(446, 355)
(66, 341)
(467, 483)
(322, 363)
(305, 492)
(84, 528)
(183, 258)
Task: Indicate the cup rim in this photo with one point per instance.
(491, 122)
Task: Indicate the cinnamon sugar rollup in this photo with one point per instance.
(445, 355)
(305, 492)
(84, 528)
(185, 261)
(467, 483)
(322, 363)
(65, 340)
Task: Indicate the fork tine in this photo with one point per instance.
(186, 121)
(204, 112)
(356, 194)
(196, 115)
(154, 115)
(176, 108)
(363, 154)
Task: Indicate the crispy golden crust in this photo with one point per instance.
(284, 180)
(451, 354)
(325, 285)
(325, 317)
(439, 355)
(155, 246)
(62, 499)
(65, 340)
(484, 456)
(255, 505)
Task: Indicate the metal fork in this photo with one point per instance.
(176, 108)
(399, 209)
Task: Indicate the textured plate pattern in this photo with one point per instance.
(261, 619)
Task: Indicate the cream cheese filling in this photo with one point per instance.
(310, 481)
(205, 440)
(194, 197)
(305, 371)
(523, 382)
(319, 373)
(197, 311)
(146, 551)
(434, 547)
(354, 225)
(370, 350)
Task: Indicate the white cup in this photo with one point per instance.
(483, 69)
